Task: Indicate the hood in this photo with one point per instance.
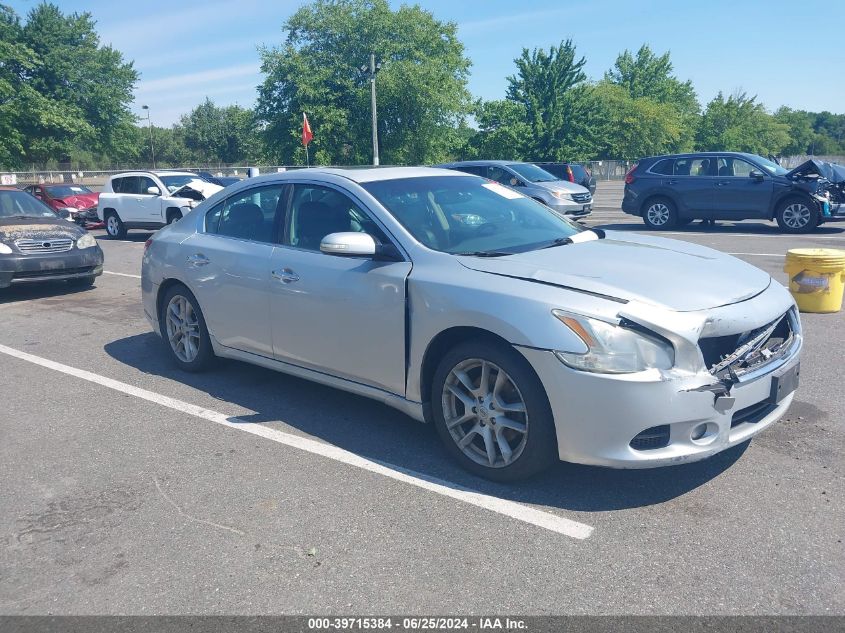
(829, 171)
(81, 201)
(12, 229)
(196, 186)
(670, 274)
(561, 185)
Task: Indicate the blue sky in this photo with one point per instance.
(786, 52)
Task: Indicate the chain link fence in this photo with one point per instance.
(601, 169)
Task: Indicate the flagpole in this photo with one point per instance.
(307, 161)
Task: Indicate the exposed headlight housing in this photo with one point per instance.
(86, 241)
(562, 196)
(613, 349)
(5, 249)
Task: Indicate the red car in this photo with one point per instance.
(78, 197)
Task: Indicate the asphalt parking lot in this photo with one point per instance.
(130, 487)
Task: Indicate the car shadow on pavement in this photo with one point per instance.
(41, 290)
(135, 236)
(378, 432)
(723, 228)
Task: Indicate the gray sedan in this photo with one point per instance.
(523, 337)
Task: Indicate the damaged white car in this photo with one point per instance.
(149, 200)
(523, 337)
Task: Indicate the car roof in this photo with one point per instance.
(708, 154)
(170, 172)
(358, 174)
(486, 162)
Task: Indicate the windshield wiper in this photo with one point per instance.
(484, 254)
(560, 241)
(598, 234)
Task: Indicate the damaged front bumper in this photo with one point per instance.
(660, 418)
(74, 264)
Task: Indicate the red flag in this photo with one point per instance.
(306, 131)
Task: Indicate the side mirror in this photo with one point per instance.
(352, 244)
(154, 191)
(756, 175)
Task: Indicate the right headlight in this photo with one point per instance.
(613, 349)
(5, 249)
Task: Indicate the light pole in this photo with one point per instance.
(150, 126)
(370, 72)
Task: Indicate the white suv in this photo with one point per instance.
(149, 200)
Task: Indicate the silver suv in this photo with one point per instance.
(562, 196)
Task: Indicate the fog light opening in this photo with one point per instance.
(704, 433)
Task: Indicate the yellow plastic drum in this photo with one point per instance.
(816, 278)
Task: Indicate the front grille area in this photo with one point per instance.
(33, 247)
(582, 197)
(652, 438)
(752, 414)
(54, 272)
(741, 353)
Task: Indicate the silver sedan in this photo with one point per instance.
(524, 338)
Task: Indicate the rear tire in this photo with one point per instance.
(660, 213)
(184, 331)
(796, 215)
(502, 429)
(115, 226)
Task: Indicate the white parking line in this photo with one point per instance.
(109, 272)
(760, 254)
(510, 509)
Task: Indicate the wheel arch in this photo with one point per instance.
(163, 288)
(785, 197)
(437, 349)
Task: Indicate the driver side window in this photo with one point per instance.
(317, 211)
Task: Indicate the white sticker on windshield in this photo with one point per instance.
(583, 236)
(502, 191)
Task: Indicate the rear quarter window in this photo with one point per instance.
(663, 167)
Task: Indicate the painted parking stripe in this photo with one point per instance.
(109, 272)
(760, 254)
(518, 511)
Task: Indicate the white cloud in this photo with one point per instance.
(177, 83)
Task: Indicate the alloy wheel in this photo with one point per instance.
(112, 226)
(796, 215)
(183, 329)
(658, 214)
(485, 413)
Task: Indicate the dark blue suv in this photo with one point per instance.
(669, 191)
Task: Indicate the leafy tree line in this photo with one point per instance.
(64, 98)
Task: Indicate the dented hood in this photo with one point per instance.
(829, 171)
(204, 188)
(667, 273)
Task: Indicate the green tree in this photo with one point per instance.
(422, 94)
(630, 128)
(503, 132)
(740, 124)
(551, 88)
(84, 88)
(649, 76)
(222, 135)
(801, 133)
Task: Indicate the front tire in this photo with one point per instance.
(796, 216)
(184, 330)
(660, 213)
(115, 226)
(491, 412)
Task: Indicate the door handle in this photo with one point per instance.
(671, 182)
(285, 275)
(197, 259)
(723, 183)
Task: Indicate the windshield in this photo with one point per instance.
(175, 182)
(66, 191)
(532, 173)
(470, 215)
(21, 204)
(773, 168)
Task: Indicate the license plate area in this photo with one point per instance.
(784, 382)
